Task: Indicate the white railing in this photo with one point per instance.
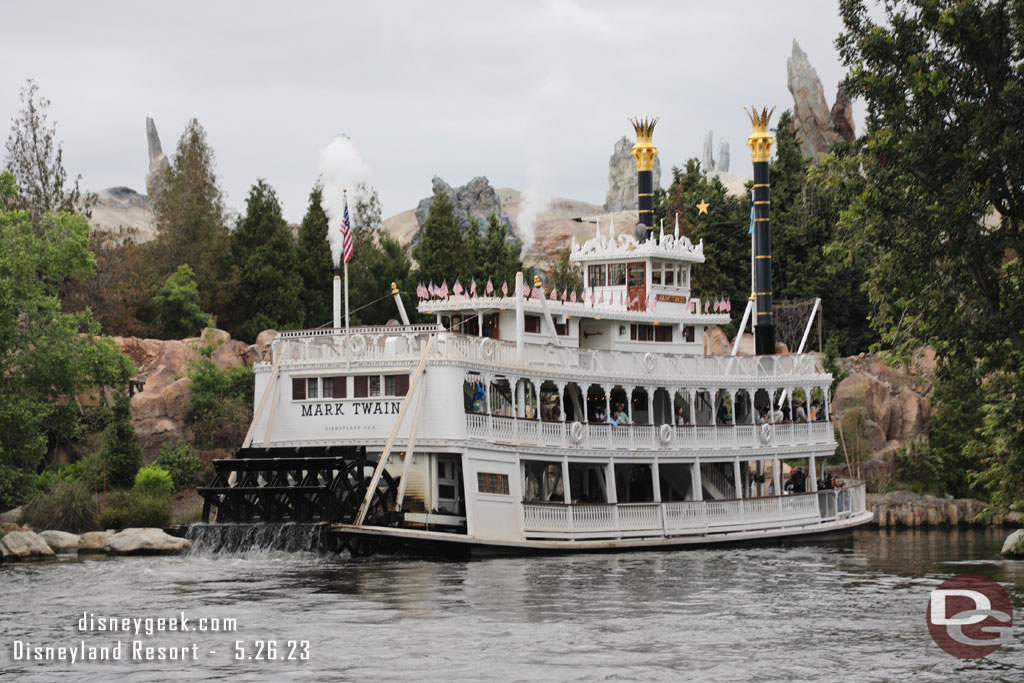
(703, 437)
(405, 342)
(691, 517)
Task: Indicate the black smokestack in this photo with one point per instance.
(644, 152)
(760, 142)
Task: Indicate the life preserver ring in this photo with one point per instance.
(766, 433)
(649, 362)
(357, 344)
(576, 432)
(665, 433)
(487, 348)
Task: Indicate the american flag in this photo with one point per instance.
(346, 235)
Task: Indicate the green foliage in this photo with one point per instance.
(500, 254)
(177, 305)
(380, 262)
(221, 407)
(122, 454)
(190, 219)
(939, 219)
(441, 249)
(36, 160)
(96, 418)
(154, 480)
(565, 274)
(831, 353)
(265, 264)
(180, 461)
(136, 509)
(65, 506)
(314, 263)
(44, 360)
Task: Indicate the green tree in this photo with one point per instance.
(939, 221)
(265, 265)
(190, 220)
(177, 304)
(314, 262)
(379, 262)
(36, 159)
(440, 251)
(500, 254)
(565, 274)
(473, 266)
(44, 360)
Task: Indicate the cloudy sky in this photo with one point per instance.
(527, 93)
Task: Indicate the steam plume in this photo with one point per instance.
(341, 168)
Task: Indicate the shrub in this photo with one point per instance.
(95, 419)
(65, 506)
(154, 480)
(221, 406)
(136, 508)
(181, 462)
(122, 452)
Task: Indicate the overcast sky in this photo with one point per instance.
(525, 93)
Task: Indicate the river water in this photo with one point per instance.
(852, 609)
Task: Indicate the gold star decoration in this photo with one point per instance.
(702, 207)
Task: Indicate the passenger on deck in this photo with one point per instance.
(785, 413)
(614, 419)
(624, 418)
(762, 416)
(680, 417)
(799, 480)
(799, 414)
(723, 414)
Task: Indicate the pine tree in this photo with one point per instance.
(474, 263)
(566, 274)
(441, 251)
(265, 265)
(315, 264)
(500, 255)
(177, 304)
(190, 219)
(122, 454)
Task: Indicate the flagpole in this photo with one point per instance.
(344, 258)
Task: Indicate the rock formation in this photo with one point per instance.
(124, 213)
(145, 542)
(907, 509)
(160, 410)
(24, 545)
(723, 157)
(817, 127)
(158, 163)
(61, 541)
(622, 177)
(707, 160)
(476, 199)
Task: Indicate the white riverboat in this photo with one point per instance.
(490, 428)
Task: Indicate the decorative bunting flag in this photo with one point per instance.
(600, 299)
(489, 289)
(443, 293)
(457, 289)
(565, 294)
(431, 290)
(554, 294)
(504, 288)
(572, 296)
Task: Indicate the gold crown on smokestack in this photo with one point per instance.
(644, 150)
(760, 141)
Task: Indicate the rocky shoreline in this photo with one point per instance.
(25, 545)
(908, 509)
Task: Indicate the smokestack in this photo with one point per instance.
(644, 152)
(337, 298)
(760, 143)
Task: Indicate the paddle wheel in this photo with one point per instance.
(302, 485)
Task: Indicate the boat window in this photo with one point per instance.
(663, 333)
(562, 329)
(339, 386)
(670, 275)
(531, 323)
(328, 388)
(374, 385)
(298, 388)
(641, 332)
(684, 276)
(656, 273)
(312, 383)
(637, 274)
(616, 274)
(596, 276)
(361, 388)
(688, 333)
(492, 483)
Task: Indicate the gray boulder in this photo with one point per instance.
(622, 184)
(12, 516)
(476, 199)
(145, 542)
(24, 545)
(1014, 545)
(61, 541)
(94, 542)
